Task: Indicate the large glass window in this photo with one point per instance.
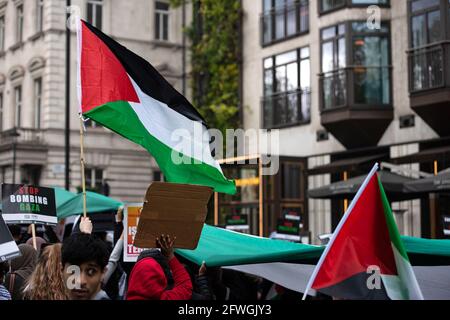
(371, 74)
(284, 18)
(161, 21)
(287, 83)
(333, 61)
(355, 59)
(427, 54)
(94, 12)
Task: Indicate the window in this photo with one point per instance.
(291, 177)
(39, 15)
(283, 19)
(334, 60)
(19, 23)
(161, 21)
(17, 105)
(30, 174)
(369, 76)
(287, 84)
(37, 102)
(330, 5)
(427, 55)
(94, 178)
(94, 13)
(91, 124)
(2, 33)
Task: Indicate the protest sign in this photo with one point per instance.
(178, 210)
(132, 211)
(28, 204)
(8, 247)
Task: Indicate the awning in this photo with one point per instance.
(434, 184)
(427, 155)
(345, 164)
(393, 186)
(94, 203)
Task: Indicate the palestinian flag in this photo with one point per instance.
(123, 92)
(365, 258)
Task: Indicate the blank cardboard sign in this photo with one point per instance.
(174, 209)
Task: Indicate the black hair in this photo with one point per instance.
(4, 268)
(15, 230)
(80, 248)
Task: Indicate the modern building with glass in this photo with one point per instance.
(348, 83)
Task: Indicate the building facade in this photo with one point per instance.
(348, 85)
(33, 92)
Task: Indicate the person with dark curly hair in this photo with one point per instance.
(84, 258)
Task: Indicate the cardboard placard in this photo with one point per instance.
(131, 215)
(173, 209)
(8, 247)
(28, 204)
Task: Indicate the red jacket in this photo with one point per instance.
(148, 281)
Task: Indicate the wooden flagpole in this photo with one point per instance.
(33, 233)
(83, 179)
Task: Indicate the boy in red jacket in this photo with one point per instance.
(152, 275)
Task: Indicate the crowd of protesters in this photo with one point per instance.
(86, 266)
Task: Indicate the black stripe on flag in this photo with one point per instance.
(356, 288)
(148, 78)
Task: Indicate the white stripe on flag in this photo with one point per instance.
(162, 121)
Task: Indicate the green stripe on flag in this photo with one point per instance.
(392, 226)
(120, 117)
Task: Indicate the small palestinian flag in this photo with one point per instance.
(123, 92)
(365, 258)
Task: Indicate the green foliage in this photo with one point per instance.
(214, 34)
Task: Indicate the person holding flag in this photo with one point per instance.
(365, 258)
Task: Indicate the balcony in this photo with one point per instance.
(286, 109)
(279, 24)
(20, 136)
(429, 84)
(23, 147)
(356, 104)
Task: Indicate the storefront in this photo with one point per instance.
(264, 199)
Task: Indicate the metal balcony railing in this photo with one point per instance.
(356, 86)
(429, 67)
(286, 109)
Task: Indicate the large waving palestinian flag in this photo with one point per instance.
(366, 240)
(124, 93)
